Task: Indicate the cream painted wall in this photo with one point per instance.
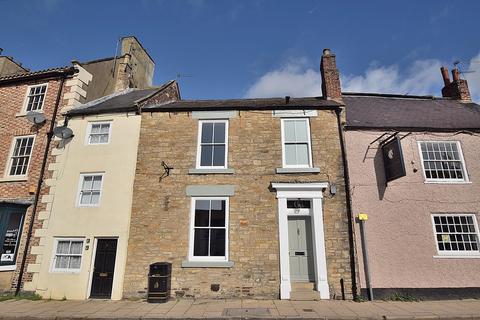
(401, 242)
(117, 160)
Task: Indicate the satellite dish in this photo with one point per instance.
(35, 117)
(63, 132)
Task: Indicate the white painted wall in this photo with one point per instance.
(110, 219)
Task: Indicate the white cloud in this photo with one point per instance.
(422, 77)
(474, 78)
(292, 79)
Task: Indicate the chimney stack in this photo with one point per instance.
(331, 88)
(457, 89)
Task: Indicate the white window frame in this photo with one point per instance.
(54, 255)
(10, 157)
(456, 253)
(309, 141)
(438, 180)
(89, 132)
(199, 143)
(27, 94)
(191, 257)
(79, 189)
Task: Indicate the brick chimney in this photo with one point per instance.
(456, 89)
(331, 88)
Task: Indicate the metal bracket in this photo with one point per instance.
(166, 172)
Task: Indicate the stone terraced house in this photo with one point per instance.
(246, 198)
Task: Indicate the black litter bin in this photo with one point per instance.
(159, 281)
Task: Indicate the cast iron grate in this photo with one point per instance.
(239, 312)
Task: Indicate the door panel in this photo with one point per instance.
(300, 249)
(103, 270)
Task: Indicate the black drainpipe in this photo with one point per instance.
(349, 204)
(40, 179)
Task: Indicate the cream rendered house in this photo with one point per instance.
(83, 243)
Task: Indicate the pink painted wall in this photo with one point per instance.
(400, 236)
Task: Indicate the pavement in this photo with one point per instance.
(237, 309)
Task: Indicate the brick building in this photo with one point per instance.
(26, 141)
(246, 198)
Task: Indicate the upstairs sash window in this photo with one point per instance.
(212, 144)
(442, 161)
(296, 143)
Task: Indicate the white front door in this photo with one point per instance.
(300, 249)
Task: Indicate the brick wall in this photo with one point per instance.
(12, 98)
(161, 210)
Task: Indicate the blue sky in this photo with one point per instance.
(232, 49)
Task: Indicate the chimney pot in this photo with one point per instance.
(455, 74)
(446, 78)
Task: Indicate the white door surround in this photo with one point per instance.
(314, 193)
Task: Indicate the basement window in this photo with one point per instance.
(443, 161)
(456, 234)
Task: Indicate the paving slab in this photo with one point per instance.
(237, 309)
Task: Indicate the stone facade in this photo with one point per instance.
(159, 229)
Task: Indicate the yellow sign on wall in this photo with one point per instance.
(363, 217)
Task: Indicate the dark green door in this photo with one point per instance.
(104, 268)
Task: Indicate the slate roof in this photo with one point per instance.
(38, 73)
(122, 101)
(245, 104)
(377, 111)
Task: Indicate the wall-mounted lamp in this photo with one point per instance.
(333, 189)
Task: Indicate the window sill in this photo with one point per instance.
(446, 182)
(211, 171)
(13, 179)
(24, 114)
(297, 170)
(8, 268)
(476, 256)
(65, 271)
(207, 264)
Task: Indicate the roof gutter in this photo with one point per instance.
(410, 129)
(164, 108)
(35, 76)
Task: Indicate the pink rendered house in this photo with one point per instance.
(422, 233)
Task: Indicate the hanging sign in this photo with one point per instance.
(393, 159)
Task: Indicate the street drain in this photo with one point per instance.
(307, 310)
(239, 312)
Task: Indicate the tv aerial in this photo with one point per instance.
(63, 132)
(35, 117)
